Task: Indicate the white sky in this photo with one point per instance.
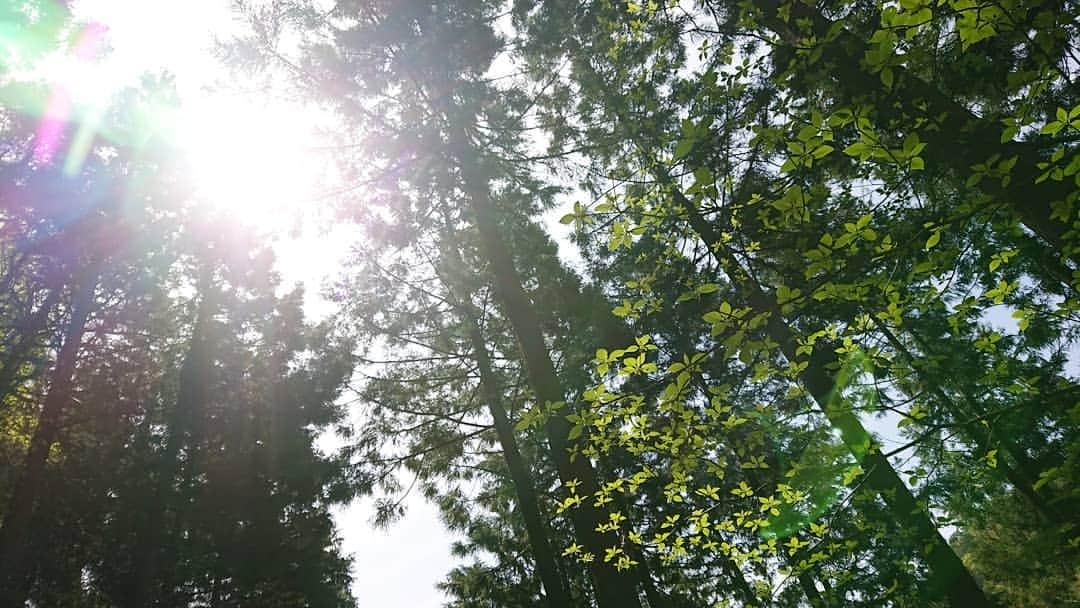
(228, 136)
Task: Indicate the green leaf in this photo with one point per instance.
(887, 78)
(683, 148)
(1045, 477)
(1052, 127)
(935, 237)
(857, 149)
(714, 317)
(911, 144)
(575, 432)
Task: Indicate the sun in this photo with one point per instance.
(249, 154)
(254, 159)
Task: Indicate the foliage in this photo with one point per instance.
(822, 310)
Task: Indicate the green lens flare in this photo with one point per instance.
(68, 126)
(822, 467)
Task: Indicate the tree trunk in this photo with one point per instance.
(17, 534)
(546, 566)
(948, 576)
(27, 339)
(968, 140)
(1020, 477)
(163, 519)
(810, 590)
(613, 588)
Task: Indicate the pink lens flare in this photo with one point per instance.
(51, 129)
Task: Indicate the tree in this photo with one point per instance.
(642, 53)
(108, 375)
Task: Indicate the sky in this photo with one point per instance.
(238, 162)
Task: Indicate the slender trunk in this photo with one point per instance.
(17, 533)
(28, 337)
(948, 577)
(810, 590)
(969, 140)
(613, 589)
(654, 597)
(163, 518)
(535, 526)
(1026, 467)
(978, 433)
(11, 272)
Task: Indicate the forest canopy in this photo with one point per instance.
(661, 304)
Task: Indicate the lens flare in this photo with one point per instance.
(830, 456)
(58, 112)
